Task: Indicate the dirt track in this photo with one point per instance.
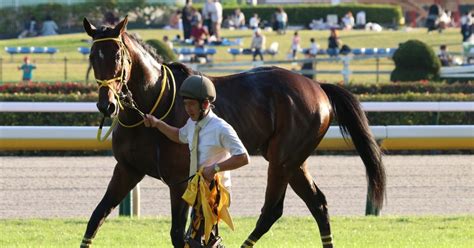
(72, 186)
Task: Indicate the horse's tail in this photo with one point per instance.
(352, 120)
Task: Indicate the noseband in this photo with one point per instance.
(126, 99)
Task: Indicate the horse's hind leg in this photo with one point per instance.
(272, 209)
(302, 183)
(123, 180)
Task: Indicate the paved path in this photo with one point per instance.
(72, 186)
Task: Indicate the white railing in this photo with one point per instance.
(389, 137)
(367, 106)
(380, 132)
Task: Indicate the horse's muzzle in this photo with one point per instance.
(109, 109)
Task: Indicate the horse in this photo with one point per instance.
(277, 113)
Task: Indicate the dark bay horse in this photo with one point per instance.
(277, 113)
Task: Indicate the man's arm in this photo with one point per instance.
(232, 163)
(171, 132)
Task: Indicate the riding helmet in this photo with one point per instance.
(198, 87)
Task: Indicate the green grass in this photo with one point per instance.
(53, 69)
(431, 231)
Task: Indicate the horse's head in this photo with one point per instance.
(111, 62)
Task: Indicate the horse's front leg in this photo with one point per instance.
(123, 180)
(179, 214)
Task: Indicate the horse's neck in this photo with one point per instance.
(144, 79)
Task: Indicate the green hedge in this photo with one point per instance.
(89, 119)
(359, 89)
(303, 14)
(415, 61)
(69, 17)
(415, 87)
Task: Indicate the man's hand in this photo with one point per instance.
(208, 173)
(150, 121)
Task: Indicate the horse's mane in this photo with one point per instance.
(148, 48)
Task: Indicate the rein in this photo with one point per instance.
(128, 95)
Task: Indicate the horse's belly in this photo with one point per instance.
(137, 153)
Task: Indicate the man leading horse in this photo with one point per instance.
(215, 149)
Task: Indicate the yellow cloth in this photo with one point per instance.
(198, 188)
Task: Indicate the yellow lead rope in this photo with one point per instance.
(163, 86)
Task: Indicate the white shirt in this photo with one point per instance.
(49, 28)
(218, 141)
(360, 18)
(216, 15)
(313, 50)
(253, 23)
(282, 17)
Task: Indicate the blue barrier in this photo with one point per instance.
(227, 42)
(84, 50)
(248, 51)
(370, 51)
(195, 51)
(357, 51)
(27, 50)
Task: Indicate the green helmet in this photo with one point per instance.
(199, 88)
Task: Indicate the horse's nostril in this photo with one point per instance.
(111, 108)
(104, 108)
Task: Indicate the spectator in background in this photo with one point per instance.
(196, 17)
(27, 69)
(110, 19)
(167, 41)
(175, 21)
(228, 22)
(216, 18)
(199, 34)
(432, 19)
(282, 20)
(360, 19)
(258, 44)
(466, 23)
(334, 43)
(207, 10)
(348, 21)
(49, 27)
(238, 19)
(444, 21)
(308, 65)
(254, 21)
(186, 17)
(30, 29)
(295, 45)
(313, 48)
(444, 56)
(274, 22)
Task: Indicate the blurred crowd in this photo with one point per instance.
(34, 28)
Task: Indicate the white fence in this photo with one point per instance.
(389, 137)
(367, 106)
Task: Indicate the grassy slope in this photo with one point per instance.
(435, 231)
(54, 70)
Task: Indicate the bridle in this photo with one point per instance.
(126, 98)
(107, 82)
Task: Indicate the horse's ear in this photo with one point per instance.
(122, 26)
(90, 29)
